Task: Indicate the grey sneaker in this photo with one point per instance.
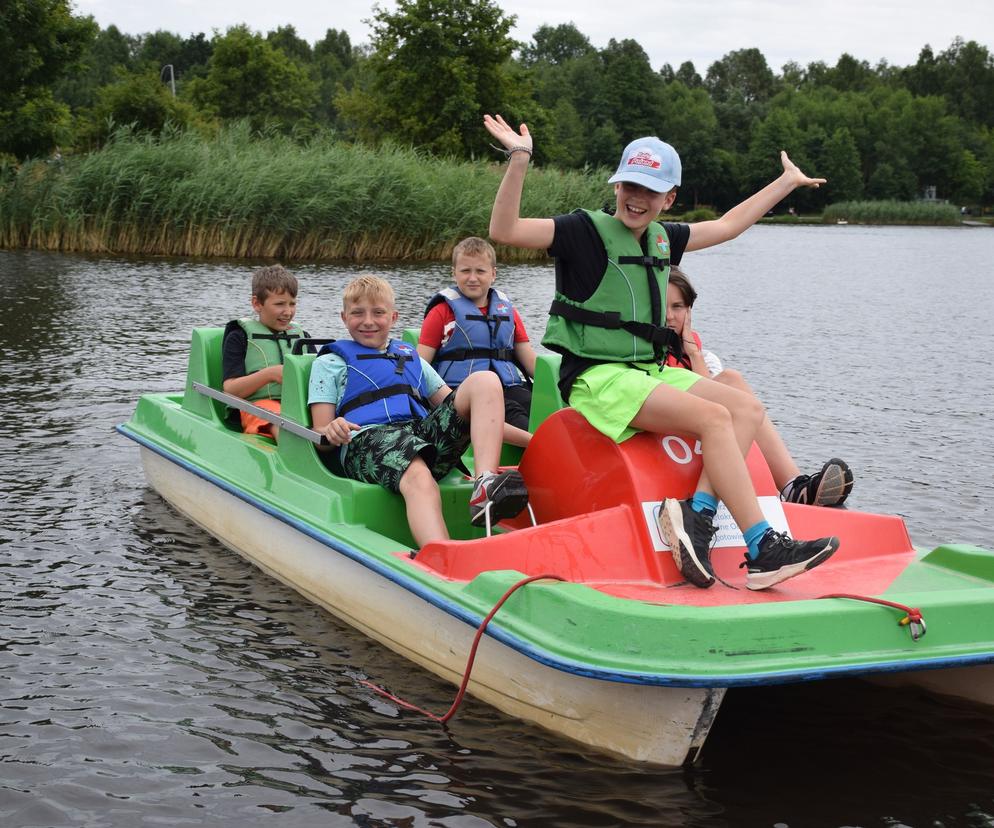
(829, 487)
(689, 535)
(497, 496)
(781, 557)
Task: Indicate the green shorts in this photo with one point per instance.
(610, 395)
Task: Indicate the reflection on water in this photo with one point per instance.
(149, 676)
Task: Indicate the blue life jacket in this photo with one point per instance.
(380, 387)
(478, 342)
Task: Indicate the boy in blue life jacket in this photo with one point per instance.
(391, 420)
(475, 327)
(608, 321)
(253, 350)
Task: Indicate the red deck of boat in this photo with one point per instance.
(588, 494)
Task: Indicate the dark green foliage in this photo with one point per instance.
(40, 41)
(435, 66)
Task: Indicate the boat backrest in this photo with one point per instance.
(205, 367)
(546, 398)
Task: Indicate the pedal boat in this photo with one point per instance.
(621, 655)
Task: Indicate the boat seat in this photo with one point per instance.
(365, 503)
(205, 367)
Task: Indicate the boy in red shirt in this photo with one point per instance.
(475, 327)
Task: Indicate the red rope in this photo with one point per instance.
(470, 660)
(913, 616)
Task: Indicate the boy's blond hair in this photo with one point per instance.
(368, 286)
(273, 279)
(474, 246)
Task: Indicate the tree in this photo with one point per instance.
(140, 101)
(435, 68)
(556, 45)
(40, 40)
(840, 164)
(250, 78)
(740, 84)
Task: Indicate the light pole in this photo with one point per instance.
(172, 78)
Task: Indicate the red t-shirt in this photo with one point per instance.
(440, 321)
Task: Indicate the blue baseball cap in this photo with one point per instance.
(650, 162)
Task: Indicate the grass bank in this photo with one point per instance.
(245, 197)
(891, 212)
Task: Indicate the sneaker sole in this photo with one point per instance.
(764, 580)
(835, 485)
(508, 499)
(670, 522)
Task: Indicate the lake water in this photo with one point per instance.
(149, 676)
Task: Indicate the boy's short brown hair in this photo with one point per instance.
(474, 246)
(273, 279)
(368, 286)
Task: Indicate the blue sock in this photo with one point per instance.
(753, 535)
(704, 503)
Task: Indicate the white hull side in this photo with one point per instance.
(660, 725)
(974, 684)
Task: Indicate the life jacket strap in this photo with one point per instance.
(400, 359)
(278, 337)
(368, 397)
(483, 317)
(645, 261)
(658, 335)
(503, 354)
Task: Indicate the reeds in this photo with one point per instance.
(891, 212)
(249, 197)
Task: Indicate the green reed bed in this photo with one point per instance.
(891, 212)
(241, 196)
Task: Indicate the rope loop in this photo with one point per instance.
(469, 662)
(912, 619)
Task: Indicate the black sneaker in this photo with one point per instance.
(689, 535)
(830, 487)
(781, 557)
(497, 496)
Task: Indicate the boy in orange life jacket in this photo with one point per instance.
(475, 327)
(828, 487)
(253, 350)
(392, 421)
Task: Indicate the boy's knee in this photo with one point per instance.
(417, 477)
(715, 416)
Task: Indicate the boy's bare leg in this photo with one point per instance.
(778, 457)
(480, 399)
(424, 504)
(668, 410)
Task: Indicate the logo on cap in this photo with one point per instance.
(644, 158)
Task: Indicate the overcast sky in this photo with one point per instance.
(670, 32)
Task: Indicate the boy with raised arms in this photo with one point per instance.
(391, 420)
(253, 350)
(608, 321)
(473, 326)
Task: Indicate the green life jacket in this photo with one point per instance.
(625, 318)
(264, 348)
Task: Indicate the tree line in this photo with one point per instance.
(433, 67)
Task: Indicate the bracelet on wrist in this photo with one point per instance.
(509, 151)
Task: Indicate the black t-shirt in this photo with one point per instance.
(581, 261)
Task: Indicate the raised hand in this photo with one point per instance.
(798, 178)
(505, 133)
